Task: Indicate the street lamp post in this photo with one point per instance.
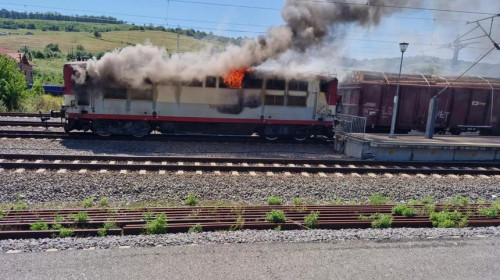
(403, 47)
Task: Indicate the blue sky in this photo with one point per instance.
(425, 34)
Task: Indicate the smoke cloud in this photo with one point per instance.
(310, 27)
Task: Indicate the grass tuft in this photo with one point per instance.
(191, 200)
(274, 200)
(276, 216)
(158, 225)
(404, 210)
(311, 220)
(378, 199)
(196, 228)
(88, 202)
(40, 225)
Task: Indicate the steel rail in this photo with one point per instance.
(354, 164)
(15, 224)
(31, 123)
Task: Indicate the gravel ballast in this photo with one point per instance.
(131, 188)
(170, 147)
(247, 236)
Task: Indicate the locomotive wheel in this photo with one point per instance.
(271, 138)
(139, 129)
(101, 128)
(301, 138)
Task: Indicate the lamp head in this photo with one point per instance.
(403, 46)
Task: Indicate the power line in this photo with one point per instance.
(338, 3)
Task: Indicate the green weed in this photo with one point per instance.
(196, 228)
(66, 232)
(490, 212)
(240, 223)
(158, 225)
(404, 210)
(276, 216)
(88, 202)
(378, 199)
(80, 217)
(191, 200)
(298, 201)
(382, 221)
(274, 200)
(448, 219)
(311, 220)
(40, 225)
(104, 202)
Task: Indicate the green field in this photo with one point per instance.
(50, 70)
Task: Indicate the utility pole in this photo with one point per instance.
(178, 49)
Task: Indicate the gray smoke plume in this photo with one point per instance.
(307, 24)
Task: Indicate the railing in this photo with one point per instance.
(350, 124)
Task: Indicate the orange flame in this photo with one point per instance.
(235, 78)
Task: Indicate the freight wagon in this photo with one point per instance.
(243, 103)
(469, 104)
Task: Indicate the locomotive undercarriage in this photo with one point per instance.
(274, 132)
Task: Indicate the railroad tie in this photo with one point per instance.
(322, 174)
(199, 172)
(20, 170)
(467, 176)
(162, 172)
(82, 171)
(218, 173)
(103, 171)
(235, 173)
(453, 176)
(61, 171)
(142, 172)
(437, 176)
(180, 172)
(123, 171)
(41, 170)
(269, 173)
(305, 174)
(252, 173)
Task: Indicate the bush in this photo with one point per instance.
(404, 210)
(41, 225)
(196, 228)
(80, 217)
(297, 201)
(66, 232)
(147, 216)
(338, 201)
(104, 230)
(382, 221)
(97, 34)
(378, 199)
(1, 214)
(448, 219)
(274, 200)
(276, 216)
(88, 202)
(12, 84)
(311, 220)
(158, 225)
(56, 226)
(459, 201)
(240, 223)
(191, 200)
(489, 212)
(20, 205)
(104, 202)
(44, 103)
(3, 108)
(496, 204)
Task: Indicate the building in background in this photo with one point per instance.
(24, 65)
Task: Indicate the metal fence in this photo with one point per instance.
(351, 124)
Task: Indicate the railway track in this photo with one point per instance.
(23, 115)
(31, 124)
(10, 134)
(16, 224)
(273, 165)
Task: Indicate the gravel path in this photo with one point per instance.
(131, 188)
(247, 236)
(168, 148)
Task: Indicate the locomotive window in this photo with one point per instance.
(275, 84)
(298, 101)
(221, 83)
(193, 83)
(141, 95)
(114, 93)
(252, 82)
(211, 82)
(295, 85)
(276, 100)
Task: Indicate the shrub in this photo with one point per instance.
(102, 232)
(311, 220)
(480, 201)
(58, 219)
(147, 216)
(404, 210)
(378, 199)
(382, 221)
(448, 219)
(427, 200)
(41, 225)
(298, 201)
(66, 232)
(56, 226)
(337, 201)
(458, 200)
(20, 205)
(196, 228)
(278, 228)
(276, 216)
(489, 212)
(104, 202)
(158, 225)
(80, 217)
(109, 225)
(496, 204)
(88, 202)
(274, 200)
(191, 200)
(3, 108)
(2, 214)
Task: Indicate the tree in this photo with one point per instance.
(97, 34)
(12, 84)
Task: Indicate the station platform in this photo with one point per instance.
(417, 148)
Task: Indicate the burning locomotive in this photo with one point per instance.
(243, 102)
